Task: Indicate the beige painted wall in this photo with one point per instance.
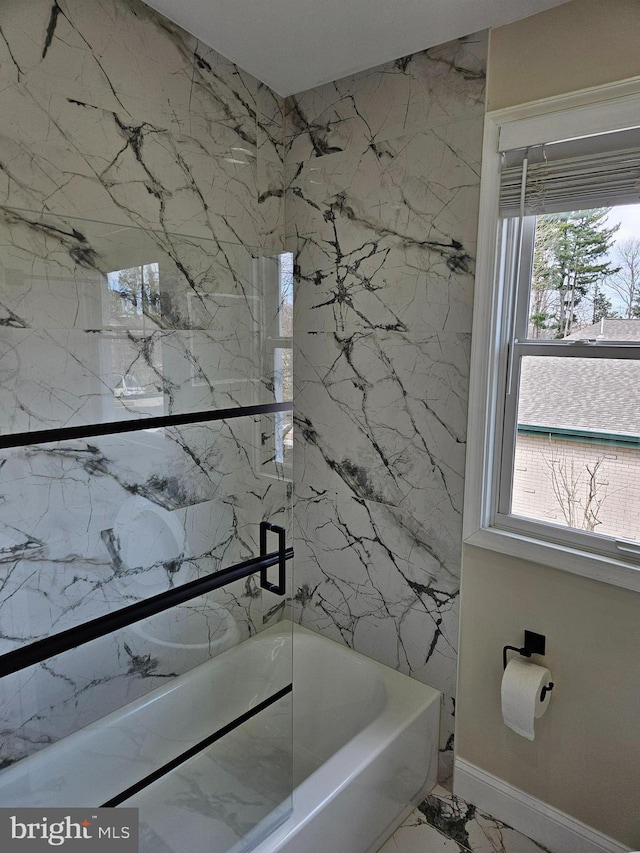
(585, 759)
(579, 44)
(586, 756)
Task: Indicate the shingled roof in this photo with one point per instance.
(609, 329)
(587, 394)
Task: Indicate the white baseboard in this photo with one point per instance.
(550, 827)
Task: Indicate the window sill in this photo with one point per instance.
(583, 563)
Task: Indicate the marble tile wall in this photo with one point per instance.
(382, 175)
(114, 115)
(141, 177)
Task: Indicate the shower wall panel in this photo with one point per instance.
(141, 193)
(111, 112)
(383, 175)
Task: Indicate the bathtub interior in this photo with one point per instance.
(98, 761)
(229, 796)
(232, 794)
(337, 694)
(351, 794)
(364, 750)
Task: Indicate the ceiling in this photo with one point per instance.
(293, 45)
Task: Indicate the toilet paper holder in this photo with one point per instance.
(534, 644)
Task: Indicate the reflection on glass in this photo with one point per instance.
(105, 323)
(283, 360)
(242, 786)
(283, 381)
(135, 292)
(285, 312)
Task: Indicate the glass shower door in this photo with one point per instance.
(145, 528)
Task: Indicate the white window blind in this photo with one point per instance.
(578, 174)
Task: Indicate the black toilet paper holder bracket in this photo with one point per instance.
(534, 644)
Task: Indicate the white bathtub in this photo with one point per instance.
(364, 751)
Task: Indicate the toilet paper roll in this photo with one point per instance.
(522, 685)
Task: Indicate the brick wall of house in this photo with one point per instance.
(541, 462)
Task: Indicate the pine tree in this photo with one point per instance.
(542, 299)
(602, 306)
(571, 260)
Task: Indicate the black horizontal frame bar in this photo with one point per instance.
(44, 436)
(64, 641)
(194, 750)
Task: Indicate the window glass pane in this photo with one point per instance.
(577, 456)
(586, 275)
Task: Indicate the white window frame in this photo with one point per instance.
(586, 113)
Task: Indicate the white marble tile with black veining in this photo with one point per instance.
(271, 203)
(445, 822)
(362, 577)
(62, 379)
(412, 187)
(175, 179)
(119, 115)
(415, 835)
(425, 89)
(383, 289)
(122, 50)
(386, 418)
(387, 241)
(270, 122)
(383, 188)
(446, 743)
(270, 154)
(427, 523)
(89, 526)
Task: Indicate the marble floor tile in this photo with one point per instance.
(417, 836)
(444, 822)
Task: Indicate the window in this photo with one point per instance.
(554, 473)
(571, 439)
